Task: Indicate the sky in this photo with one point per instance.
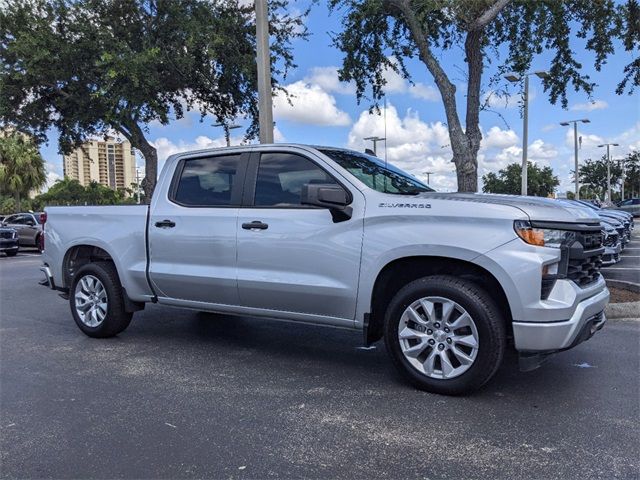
(325, 111)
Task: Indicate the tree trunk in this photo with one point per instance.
(150, 155)
(135, 135)
(467, 172)
(16, 197)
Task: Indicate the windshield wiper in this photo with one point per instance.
(407, 192)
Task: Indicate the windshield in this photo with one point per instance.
(375, 174)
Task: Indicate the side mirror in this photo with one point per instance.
(327, 195)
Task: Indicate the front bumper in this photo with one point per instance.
(611, 255)
(547, 337)
(9, 245)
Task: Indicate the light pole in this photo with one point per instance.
(515, 78)
(428, 174)
(138, 184)
(227, 127)
(609, 167)
(622, 166)
(575, 148)
(265, 103)
(375, 141)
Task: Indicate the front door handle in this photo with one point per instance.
(255, 225)
(165, 224)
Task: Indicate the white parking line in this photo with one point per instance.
(621, 268)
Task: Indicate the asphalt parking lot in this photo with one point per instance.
(187, 395)
(628, 269)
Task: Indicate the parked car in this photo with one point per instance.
(612, 244)
(625, 219)
(631, 205)
(337, 238)
(29, 228)
(9, 241)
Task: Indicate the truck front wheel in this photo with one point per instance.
(445, 334)
(96, 300)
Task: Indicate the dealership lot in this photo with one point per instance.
(182, 394)
(628, 269)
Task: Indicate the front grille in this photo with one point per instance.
(590, 240)
(584, 271)
(6, 234)
(611, 240)
(584, 257)
(620, 232)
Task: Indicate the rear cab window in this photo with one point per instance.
(208, 181)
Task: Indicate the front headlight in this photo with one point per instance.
(541, 237)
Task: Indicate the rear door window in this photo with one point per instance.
(208, 182)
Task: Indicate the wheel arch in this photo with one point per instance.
(401, 271)
(81, 254)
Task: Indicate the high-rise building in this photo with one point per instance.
(108, 162)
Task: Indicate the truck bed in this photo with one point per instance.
(119, 230)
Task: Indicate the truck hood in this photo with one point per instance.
(536, 208)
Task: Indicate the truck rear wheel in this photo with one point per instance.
(96, 300)
(445, 334)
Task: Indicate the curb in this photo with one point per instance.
(623, 310)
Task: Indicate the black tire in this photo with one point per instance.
(116, 319)
(38, 245)
(488, 320)
(12, 254)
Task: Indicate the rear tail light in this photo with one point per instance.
(43, 221)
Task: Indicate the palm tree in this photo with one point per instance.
(21, 166)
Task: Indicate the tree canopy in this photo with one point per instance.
(631, 165)
(541, 181)
(90, 67)
(21, 166)
(383, 34)
(593, 175)
(71, 192)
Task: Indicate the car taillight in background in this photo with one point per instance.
(43, 221)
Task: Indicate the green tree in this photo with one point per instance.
(632, 174)
(21, 167)
(541, 182)
(88, 67)
(382, 34)
(593, 176)
(71, 192)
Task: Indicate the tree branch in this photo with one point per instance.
(447, 89)
(488, 15)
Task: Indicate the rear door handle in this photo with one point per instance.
(165, 224)
(256, 224)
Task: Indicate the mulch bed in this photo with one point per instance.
(619, 295)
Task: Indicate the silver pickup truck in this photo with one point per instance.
(338, 238)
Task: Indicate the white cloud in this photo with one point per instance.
(310, 104)
(397, 84)
(166, 147)
(590, 106)
(53, 175)
(413, 145)
(327, 79)
(425, 92)
(498, 138)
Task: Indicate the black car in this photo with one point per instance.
(9, 241)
